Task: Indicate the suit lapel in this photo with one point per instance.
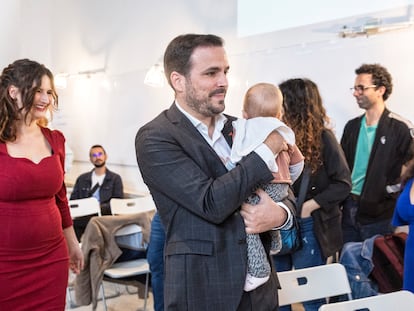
(178, 118)
(199, 146)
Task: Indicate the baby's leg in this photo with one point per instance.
(258, 267)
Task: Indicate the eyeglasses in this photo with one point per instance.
(98, 154)
(360, 88)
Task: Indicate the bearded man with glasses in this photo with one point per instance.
(377, 145)
(100, 183)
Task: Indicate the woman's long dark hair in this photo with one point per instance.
(26, 75)
(306, 115)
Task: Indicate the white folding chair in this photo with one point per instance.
(84, 207)
(313, 283)
(132, 205)
(125, 272)
(401, 300)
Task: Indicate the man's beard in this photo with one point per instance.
(98, 165)
(203, 105)
(365, 103)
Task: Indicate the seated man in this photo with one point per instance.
(100, 183)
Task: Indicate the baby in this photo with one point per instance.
(262, 110)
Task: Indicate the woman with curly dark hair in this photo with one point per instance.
(329, 182)
(38, 244)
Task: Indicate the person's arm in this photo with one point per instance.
(297, 162)
(118, 191)
(179, 165)
(338, 174)
(308, 207)
(296, 170)
(266, 215)
(76, 260)
(270, 148)
(75, 253)
(398, 218)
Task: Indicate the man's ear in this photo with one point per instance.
(382, 89)
(177, 81)
(13, 91)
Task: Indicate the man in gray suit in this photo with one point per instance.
(182, 155)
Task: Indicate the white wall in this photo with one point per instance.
(10, 18)
(127, 37)
(25, 31)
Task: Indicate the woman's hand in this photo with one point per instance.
(76, 260)
(308, 207)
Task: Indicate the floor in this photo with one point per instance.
(129, 302)
(123, 302)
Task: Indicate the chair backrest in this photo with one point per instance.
(84, 207)
(400, 300)
(132, 205)
(313, 283)
(128, 229)
(131, 237)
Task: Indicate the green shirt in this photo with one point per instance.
(363, 150)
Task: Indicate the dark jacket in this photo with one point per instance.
(198, 200)
(328, 186)
(111, 187)
(392, 148)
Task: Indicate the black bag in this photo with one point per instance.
(291, 238)
(388, 260)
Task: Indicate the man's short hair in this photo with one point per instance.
(178, 52)
(380, 77)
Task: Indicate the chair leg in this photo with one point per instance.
(146, 291)
(69, 298)
(103, 297)
(69, 289)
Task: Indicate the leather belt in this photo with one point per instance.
(354, 197)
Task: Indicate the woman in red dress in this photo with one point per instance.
(37, 241)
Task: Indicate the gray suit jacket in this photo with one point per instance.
(198, 200)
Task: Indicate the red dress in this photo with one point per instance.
(33, 210)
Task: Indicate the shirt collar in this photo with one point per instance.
(219, 121)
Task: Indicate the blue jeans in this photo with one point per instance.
(353, 231)
(309, 255)
(155, 257)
